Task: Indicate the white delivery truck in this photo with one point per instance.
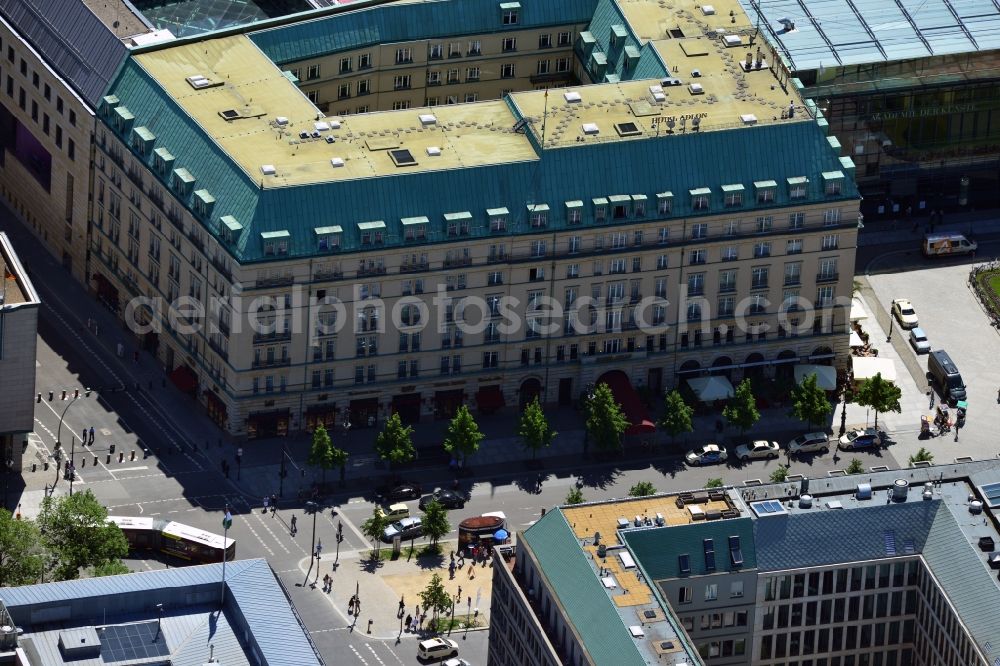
(947, 244)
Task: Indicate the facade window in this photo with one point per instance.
(364, 86)
(471, 97)
(662, 235)
(509, 44)
(761, 250)
(312, 72)
(475, 48)
(793, 273)
(797, 190)
(471, 74)
(564, 39)
(824, 297)
(700, 202)
(491, 359)
(734, 199)
(454, 50)
(436, 52)
(698, 257)
(345, 65)
(364, 61)
(794, 246)
(453, 75)
(401, 82)
(833, 188)
(796, 220)
(343, 91)
(831, 242)
(403, 55)
(696, 284)
(730, 253)
(510, 17)
(562, 65)
(313, 96)
(759, 277)
(827, 269)
(543, 67)
(507, 70)
(699, 230)
(727, 281)
(545, 41)
(764, 224)
(400, 104)
(711, 592)
(831, 217)
(765, 195)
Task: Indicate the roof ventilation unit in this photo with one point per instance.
(732, 40)
(864, 491)
(805, 502)
(696, 89)
(267, 169)
(590, 129)
(899, 490)
(433, 151)
(198, 82)
(321, 126)
(336, 162)
(708, 10)
(928, 490)
(428, 119)
(975, 507)
(281, 121)
(748, 119)
(572, 97)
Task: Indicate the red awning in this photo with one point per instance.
(489, 398)
(627, 397)
(184, 379)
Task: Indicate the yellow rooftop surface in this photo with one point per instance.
(243, 81)
(588, 519)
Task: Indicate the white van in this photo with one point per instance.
(946, 244)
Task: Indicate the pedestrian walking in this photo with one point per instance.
(413, 625)
(84, 439)
(402, 607)
(274, 504)
(423, 617)
(295, 525)
(408, 622)
(266, 499)
(91, 434)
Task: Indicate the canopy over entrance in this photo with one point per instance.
(710, 389)
(626, 396)
(866, 367)
(826, 376)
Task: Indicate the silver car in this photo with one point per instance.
(918, 340)
(407, 528)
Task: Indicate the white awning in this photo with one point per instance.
(866, 367)
(856, 340)
(826, 376)
(857, 310)
(710, 389)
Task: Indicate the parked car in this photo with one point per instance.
(918, 340)
(449, 499)
(709, 454)
(946, 378)
(904, 313)
(811, 442)
(394, 512)
(407, 528)
(758, 450)
(437, 648)
(866, 438)
(455, 661)
(398, 491)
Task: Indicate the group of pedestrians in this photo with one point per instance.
(271, 503)
(87, 436)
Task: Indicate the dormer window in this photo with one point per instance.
(182, 181)
(621, 206)
(733, 195)
(230, 229)
(414, 228)
(458, 224)
(122, 119)
(701, 198)
(574, 212)
(372, 233)
(498, 219)
(765, 190)
(664, 203)
(833, 182)
(142, 140)
(328, 238)
(639, 205)
(275, 243)
(797, 187)
(510, 12)
(163, 161)
(203, 202)
(538, 215)
(600, 209)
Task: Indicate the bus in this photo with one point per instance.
(183, 541)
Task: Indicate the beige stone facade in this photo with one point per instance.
(46, 139)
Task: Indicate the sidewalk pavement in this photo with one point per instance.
(401, 579)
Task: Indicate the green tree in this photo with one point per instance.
(77, 535)
(809, 402)
(742, 408)
(21, 560)
(113, 568)
(677, 415)
(642, 489)
(435, 522)
(373, 529)
(605, 420)
(463, 435)
(574, 496)
(923, 455)
(321, 453)
(714, 483)
(435, 597)
(338, 458)
(779, 474)
(879, 394)
(855, 467)
(395, 444)
(534, 430)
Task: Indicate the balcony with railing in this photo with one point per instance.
(275, 281)
(271, 362)
(328, 274)
(827, 276)
(272, 336)
(455, 262)
(414, 266)
(792, 280)
(367, 270)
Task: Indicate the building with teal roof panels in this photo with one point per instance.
(359, 264)
(895, 567)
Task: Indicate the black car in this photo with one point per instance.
(449, 499)
(394, 492)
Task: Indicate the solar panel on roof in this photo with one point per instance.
(767, 507)
(991, 492)
(132, 642)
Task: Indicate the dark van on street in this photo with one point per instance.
(945, 377)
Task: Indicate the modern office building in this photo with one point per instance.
(894, 568)
(19, 305)
(909, 89)
(173, 616)
(683, 182)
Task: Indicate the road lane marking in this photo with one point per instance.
(130, 469)
(263, 524)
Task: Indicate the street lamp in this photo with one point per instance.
(313, 508)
